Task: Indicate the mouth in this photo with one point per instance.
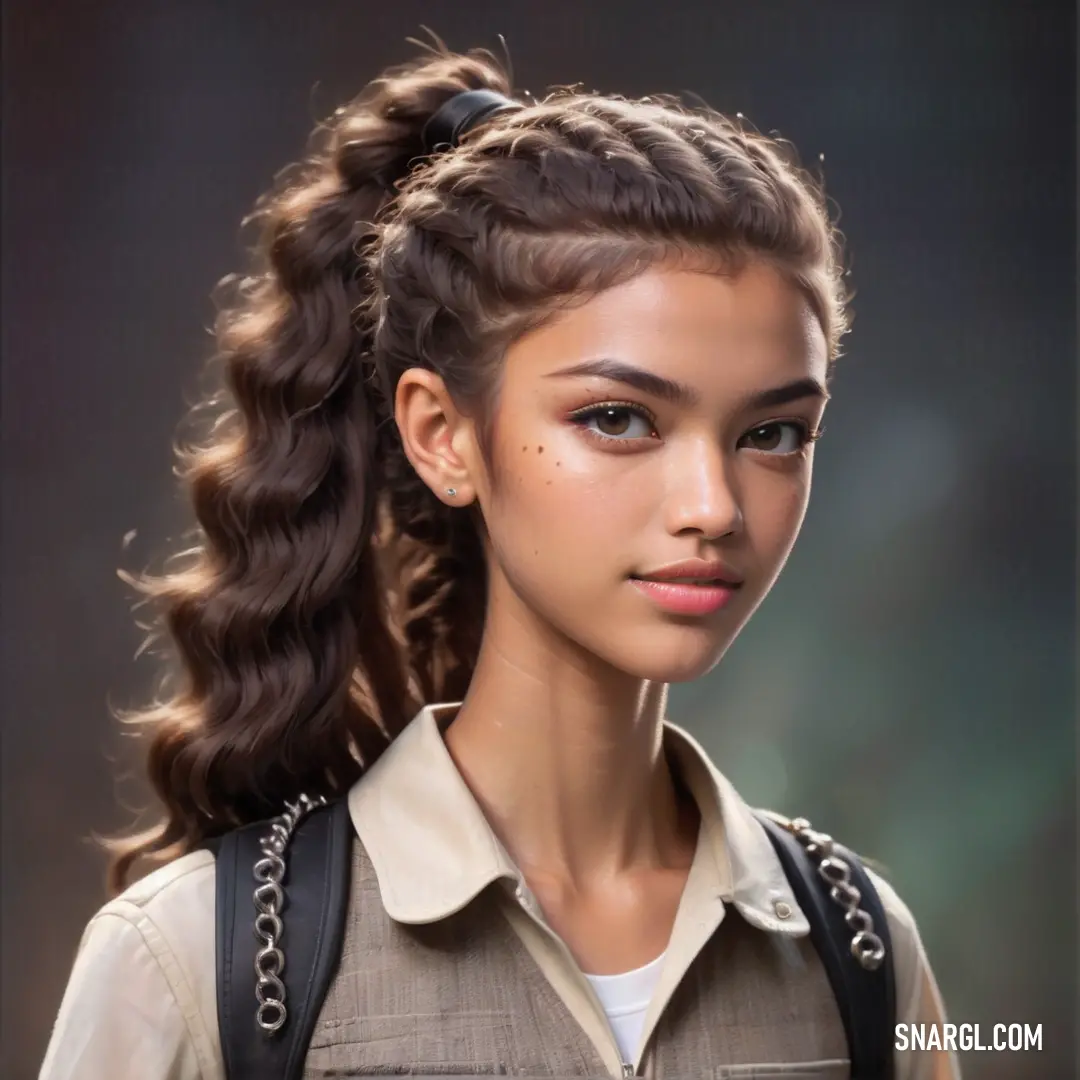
(702, 573)
(714, 582)
(687, 595)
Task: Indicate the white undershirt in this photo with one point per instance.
(625, 999)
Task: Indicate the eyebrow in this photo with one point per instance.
(677, 393)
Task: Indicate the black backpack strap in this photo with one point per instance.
(865, 997)
(318, 859)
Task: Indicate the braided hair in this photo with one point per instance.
(329, 593)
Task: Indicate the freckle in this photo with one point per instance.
(539, 449)
(557, 464)
(549, 483)
(524, 448)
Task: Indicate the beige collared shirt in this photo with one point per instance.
(141, 1001)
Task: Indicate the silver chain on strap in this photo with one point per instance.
(269, 901)
(866, 946)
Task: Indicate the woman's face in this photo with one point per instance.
(668, 420)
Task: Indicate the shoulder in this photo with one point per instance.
(918, 1000)
(167, 917)
(901, 922)
(917, 996)
(902, 927)
(172, 909)
(915, 990)
(142, 996)
(184, 879)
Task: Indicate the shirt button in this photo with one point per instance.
(782, 909)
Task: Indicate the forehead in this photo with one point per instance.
(710, 330)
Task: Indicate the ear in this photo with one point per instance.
(439, 441)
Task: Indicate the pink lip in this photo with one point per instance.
(686, 599)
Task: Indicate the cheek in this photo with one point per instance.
(774, 512)
(560, 501)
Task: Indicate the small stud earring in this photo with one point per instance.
(451, 492)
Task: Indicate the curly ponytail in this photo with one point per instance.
(289, 642)
(330, 593)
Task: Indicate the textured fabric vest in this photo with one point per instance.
(463, 997)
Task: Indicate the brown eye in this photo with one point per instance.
(767, 437)
(779, 438)
(613, 421)
(617, 422)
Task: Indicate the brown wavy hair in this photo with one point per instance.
(329, 593)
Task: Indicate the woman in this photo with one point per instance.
(521, 414)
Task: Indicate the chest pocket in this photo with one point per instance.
(466, 1043)
(835, 1069)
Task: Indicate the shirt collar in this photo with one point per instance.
(433, 850)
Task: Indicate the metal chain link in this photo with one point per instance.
(866, 946)
(269, 899)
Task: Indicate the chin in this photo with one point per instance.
(675, 657)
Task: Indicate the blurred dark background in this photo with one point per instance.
(910, 685)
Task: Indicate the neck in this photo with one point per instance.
(564, 755)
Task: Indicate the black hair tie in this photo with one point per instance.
(460, 114)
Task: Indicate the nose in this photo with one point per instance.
(701, 495)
